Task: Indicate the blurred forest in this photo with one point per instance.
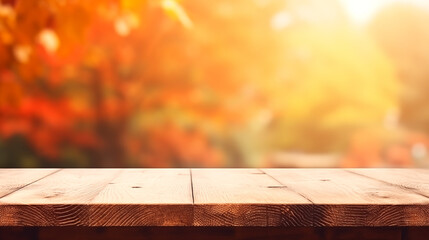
(190, 83)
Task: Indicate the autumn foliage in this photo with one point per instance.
(160, 83)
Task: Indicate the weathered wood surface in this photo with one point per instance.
(139, 197)
(214, 197)
(12, 180)
(343, 198)
(245, 197)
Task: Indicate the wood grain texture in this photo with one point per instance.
(214, 197)
(415, 180)
(148, 186)
(244, 197)
(342, 198)
(14, 179)
(155, 197)
(60, 199)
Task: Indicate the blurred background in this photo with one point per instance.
(191, 83)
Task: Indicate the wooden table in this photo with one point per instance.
(215, 197)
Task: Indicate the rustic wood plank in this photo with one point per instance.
(415, 180)
(343, 198)
(215, 197)
(149, 197)
(411, 180)
(57, 200)
(245, 197)
(14, 179)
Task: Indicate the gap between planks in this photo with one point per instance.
(192, 186)
(312, 204)
(405, 188)
(286, 187)
(28, 184)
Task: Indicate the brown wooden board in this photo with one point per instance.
(214, 197)
(342, 198)
(245, 197)
(60, 199)
(12, 180)
(145, 197)
(415, 180)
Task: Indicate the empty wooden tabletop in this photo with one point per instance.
(214, 197)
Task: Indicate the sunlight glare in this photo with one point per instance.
(363, 10)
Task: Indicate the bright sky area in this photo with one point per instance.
(362, 11)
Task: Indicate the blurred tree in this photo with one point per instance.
(338, 81)
(319, 79)
(308, 78)
(402, 32)
(32, 104)
(87, 80)
(146, 83)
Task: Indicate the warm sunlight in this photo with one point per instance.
(221, 83)
(361, 11)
